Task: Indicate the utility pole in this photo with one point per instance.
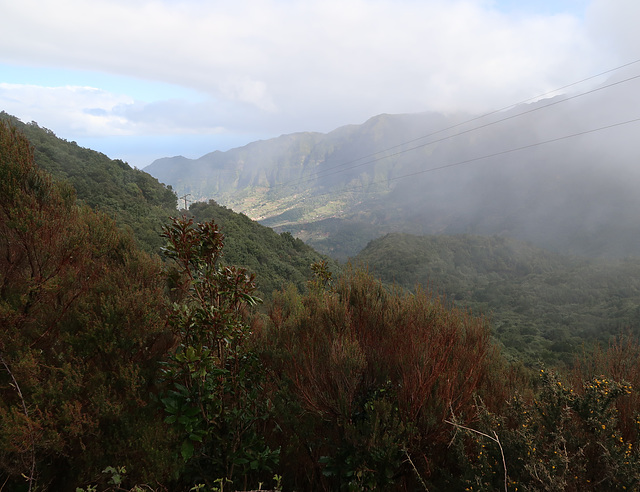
(185, 200)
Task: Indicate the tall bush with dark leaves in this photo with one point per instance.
(216, 398)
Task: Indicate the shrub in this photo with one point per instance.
(567, 437)
(215, 399)
(369, 376)
(81, 330)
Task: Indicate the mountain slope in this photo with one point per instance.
(276, 259)
(134, 198)
(541, 304)
(141, 204)
(561, 173)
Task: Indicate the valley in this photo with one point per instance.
(257, 343)
(553, 172)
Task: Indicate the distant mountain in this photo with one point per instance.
(568, 188)
(292, 180)
(541, 305)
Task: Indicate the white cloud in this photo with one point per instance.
(613, 24)
(248, 91)
(73, 109)
(276, 66)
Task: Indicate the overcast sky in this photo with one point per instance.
(142, 79)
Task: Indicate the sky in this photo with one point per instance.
(143, 79)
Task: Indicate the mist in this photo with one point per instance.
(561, 172)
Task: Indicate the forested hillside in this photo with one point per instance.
(142, 205)
(276, 259)
(542, 306)
(135, 199)
(122, 372)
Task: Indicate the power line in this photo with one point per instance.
(481, 126)
(488, 156)
(323, 173)
(477, 127)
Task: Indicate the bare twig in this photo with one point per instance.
(416, 470)
(493, 438)
(15, 384)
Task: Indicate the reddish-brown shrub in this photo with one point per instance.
(81, 310)
(344, 349)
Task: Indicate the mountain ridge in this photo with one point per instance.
(537, 172)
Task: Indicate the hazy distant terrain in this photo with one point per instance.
(542, 305)
(536, 172)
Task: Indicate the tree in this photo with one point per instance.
(215, 399)
(82, 326)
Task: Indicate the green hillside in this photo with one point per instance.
(138, 201)
(121, 372)
(141, 204)
(541, 305)
(276, 259)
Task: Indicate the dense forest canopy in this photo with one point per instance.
(135, 199)
(542, 305)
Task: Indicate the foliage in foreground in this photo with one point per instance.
(576, 432)
(82, 326)
(365, 379)
(216, 400)
(115, 373)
